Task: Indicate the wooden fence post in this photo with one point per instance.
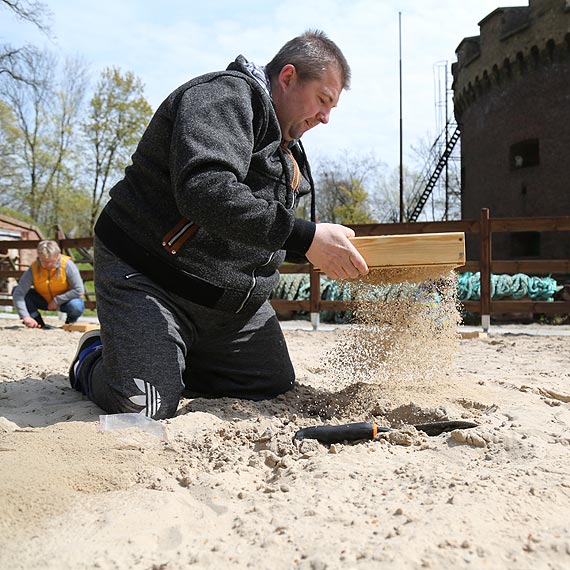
(59, 235)
(315, 296)
(485, 268)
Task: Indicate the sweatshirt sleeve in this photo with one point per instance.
(301, 238)
(19, 293)
(76, 288)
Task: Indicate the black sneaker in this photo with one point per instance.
(88, 343)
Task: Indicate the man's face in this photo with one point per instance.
(301, 105)
(48, 262)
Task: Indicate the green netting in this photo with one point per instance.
(508, 286)
(296, 286)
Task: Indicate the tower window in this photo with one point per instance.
(524, 154)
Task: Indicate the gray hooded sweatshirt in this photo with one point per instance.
(207, 207)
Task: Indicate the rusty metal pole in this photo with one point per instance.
(485, 267)
(315, 297)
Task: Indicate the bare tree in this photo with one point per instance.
(45, 110)
(30, 11)
(68, 104)
(385, 201)
(444, 202)
(29, 102)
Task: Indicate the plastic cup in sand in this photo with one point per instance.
(124, 421)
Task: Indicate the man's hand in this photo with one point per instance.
(31, 323)
(53, 306)
(332, 252)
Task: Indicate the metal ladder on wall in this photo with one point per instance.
(431, 182)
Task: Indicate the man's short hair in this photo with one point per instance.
(48, 248)
(311, 53)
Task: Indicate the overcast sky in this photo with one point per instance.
(165, 43)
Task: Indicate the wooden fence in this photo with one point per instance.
(485, 227)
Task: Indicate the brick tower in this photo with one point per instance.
(512, 102)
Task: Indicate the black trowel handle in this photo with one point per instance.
(337, 434)
(366, 430)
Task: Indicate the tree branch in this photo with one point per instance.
(31, 11)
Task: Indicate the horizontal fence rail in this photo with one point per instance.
(485, 227)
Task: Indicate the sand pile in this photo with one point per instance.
(228, 487)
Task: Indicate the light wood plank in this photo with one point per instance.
(412, 249)
(473, 334)
(77, 327)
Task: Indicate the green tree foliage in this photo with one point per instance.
(50, 170)
(10, 148)
(355, 208)
(118, 114)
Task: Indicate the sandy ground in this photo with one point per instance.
(223, 485)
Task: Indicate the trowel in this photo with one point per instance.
(367, 430)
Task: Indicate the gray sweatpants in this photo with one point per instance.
(156, 345)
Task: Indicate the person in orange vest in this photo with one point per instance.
(52, 283)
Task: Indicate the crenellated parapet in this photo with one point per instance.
(513, 42)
